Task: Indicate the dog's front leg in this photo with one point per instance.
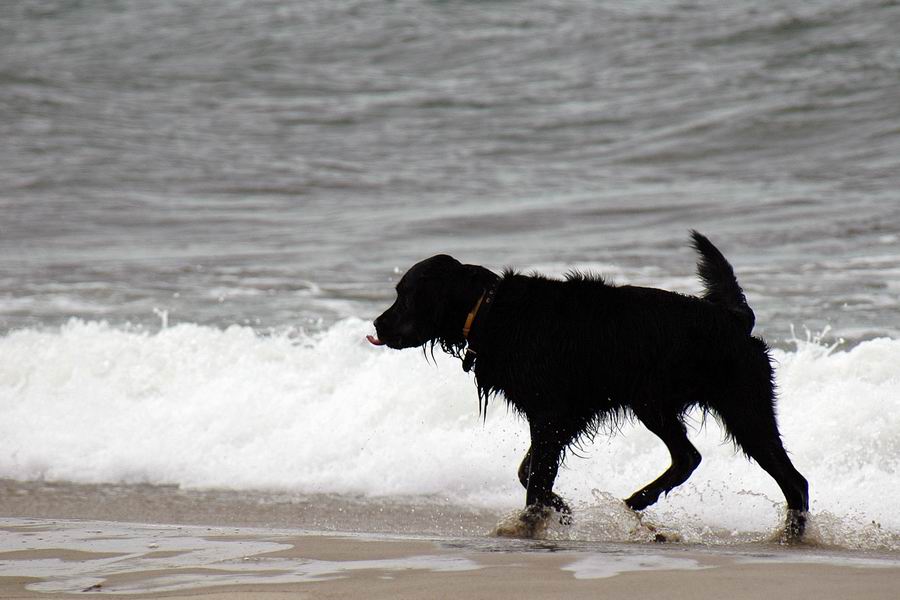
(539, 468)
(544, 464)
(537, 474)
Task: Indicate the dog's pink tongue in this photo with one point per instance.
(374, 340)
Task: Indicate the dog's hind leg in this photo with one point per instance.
(757, 434)
(685, 457)
(774, 460)
(748, 414)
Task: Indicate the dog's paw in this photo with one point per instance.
(794, 527)
(529, 523)
(642, 499)
(562, 509)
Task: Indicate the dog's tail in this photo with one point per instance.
(721, 285)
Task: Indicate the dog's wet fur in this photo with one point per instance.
(578, 354)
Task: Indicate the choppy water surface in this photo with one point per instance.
(271, 163)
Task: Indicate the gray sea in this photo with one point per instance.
(275, 163)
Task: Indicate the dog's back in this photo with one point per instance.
(591, 342)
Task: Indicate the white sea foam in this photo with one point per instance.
(204, 407)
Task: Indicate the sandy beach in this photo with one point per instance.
(61, 539)
(41, 558)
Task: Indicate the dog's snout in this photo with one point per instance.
(383, 321)
(385, 324)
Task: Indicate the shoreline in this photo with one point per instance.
(608, 519)
(47, 558)
(170, 504)
(58, 539)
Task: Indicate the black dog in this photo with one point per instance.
(574, 354)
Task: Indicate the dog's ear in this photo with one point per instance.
(473, 282)
(462, 286)
(479, 277)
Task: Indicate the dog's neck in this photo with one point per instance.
(480, 312)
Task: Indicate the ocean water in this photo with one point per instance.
(203, 205)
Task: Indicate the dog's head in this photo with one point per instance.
(433, 299)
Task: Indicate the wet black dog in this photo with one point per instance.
(575, 354)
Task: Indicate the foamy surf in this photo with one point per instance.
(201, 407)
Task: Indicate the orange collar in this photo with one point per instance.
(471, 317)
(486, 301)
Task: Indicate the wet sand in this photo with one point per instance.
(171, 504)
(42, 558)
(58, 539)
